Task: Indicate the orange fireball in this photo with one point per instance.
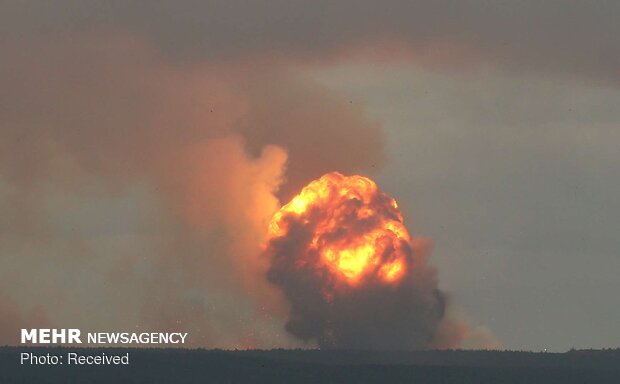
(357, 231)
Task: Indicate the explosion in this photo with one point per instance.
(358, 233)
(353, 275)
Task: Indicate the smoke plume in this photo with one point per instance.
(147, 187)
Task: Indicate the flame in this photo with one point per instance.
(358, 233)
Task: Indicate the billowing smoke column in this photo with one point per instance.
(354, 277)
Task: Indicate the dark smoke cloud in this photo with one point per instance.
(405, 316)
(573, 37)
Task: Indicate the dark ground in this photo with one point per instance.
(313, 366)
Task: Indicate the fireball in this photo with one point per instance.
(358, 233)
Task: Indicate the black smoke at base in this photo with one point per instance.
(383, 318)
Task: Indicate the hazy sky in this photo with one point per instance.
(144, 147)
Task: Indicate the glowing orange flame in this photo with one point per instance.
(357, 231)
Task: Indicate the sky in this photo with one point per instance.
(145, 146)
